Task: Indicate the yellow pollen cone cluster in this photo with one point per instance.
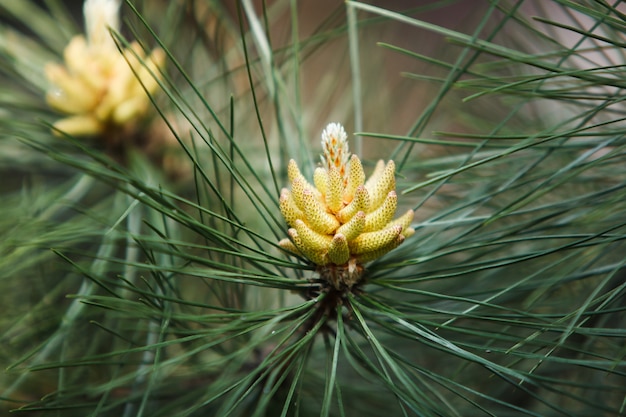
(342, 220)
(100, 87)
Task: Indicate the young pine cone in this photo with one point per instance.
(341, 221)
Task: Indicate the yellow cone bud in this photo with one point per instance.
(379, 218)
(375, 254)
(311, 238)
(99, 88)
(372, 241)
(334, 193)
(361, 202)
(355, 179)
(354, 227)
(375, 175)
(288, 208)
(317, 257)
(297, 192)
(79, 125)
(379, 189)
(320, 179)
(342, 221)
(404, 221)
(289, 246)
(318, 218)
(294, 174)
(338, 251)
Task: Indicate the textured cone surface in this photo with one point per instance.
(372, 241)
(312, 239)
(297, 192)
(404, 221)
(356, 178)
(354, 227)
(289, 209)
(294, 174)
(338, 252)
(378, 170)
(342, 221)
(317, 257)
(320, 179)
(318, 218)
(373, 255)
(334, 193)
(384, 183)
(359, 203)
(379, 218)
